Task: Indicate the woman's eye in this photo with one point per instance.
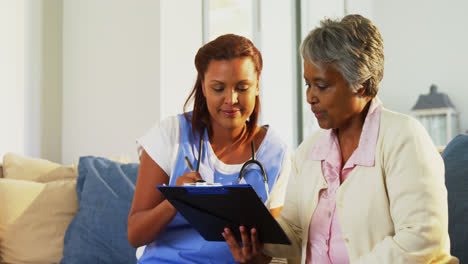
(218, 89)
(307, 85)
(322, 87)
(243, 88)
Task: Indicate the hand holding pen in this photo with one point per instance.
(189, 177)
(189, 165)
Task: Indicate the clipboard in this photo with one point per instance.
(209, 209)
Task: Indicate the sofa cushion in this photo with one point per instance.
(98, 233)
(24, 168)
(455, 157)
(33, 220)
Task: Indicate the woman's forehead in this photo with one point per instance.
(243, 66)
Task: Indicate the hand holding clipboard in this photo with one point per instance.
(210, 209)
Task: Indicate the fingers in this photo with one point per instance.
(188, 177)
(246, 242)
(251, 247)
(257, 247)
(251, 243)
(195, 175)
(234, 246)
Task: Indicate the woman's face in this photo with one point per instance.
(331, 99)
(230, 88)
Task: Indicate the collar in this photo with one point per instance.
(364, 154)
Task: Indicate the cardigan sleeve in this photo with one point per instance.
(293, 211)
(414, 177)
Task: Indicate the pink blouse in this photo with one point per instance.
(326, 243)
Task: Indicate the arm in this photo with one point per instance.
(278, 192)
(253, 252)
(414, 176)
(292, 215)
(150, 212)
(289, 221)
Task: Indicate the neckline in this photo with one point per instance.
(224, 168)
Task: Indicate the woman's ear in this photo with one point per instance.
(203, 87)
(257, 89)
(362, 91)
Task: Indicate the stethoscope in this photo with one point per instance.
(253, 160)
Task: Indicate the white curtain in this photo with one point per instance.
(436, 126)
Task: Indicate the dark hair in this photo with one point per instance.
(225, 47)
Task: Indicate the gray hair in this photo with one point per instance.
(353, 46)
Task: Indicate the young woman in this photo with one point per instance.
(223, 128)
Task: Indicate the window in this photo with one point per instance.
(271, 27)
(229, 16)
(438, 115)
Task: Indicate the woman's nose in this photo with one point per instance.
(310, 95)
(231, 97)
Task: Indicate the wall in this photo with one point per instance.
(32, 77)
(181, 37)
(31, 85)
(111, 76)
(12, 75)
(425, 43)
(50, 98)
(313, 11)
(126, 66)
(277, 80)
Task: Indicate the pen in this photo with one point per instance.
(189, 165)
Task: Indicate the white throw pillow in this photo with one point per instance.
(33, 220)
(23, 168)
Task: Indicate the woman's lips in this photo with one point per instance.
(230, 113)
(318, 113)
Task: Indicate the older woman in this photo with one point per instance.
(369, 187)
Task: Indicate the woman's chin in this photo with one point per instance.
(232, 124)
(323, 124)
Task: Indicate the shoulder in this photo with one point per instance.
(162, 128)
(391, 120)
(401, 135)
(273, 148)
(307, 144)
(170, 123)
(271, 136)
(399, 128)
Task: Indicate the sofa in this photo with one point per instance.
(50, 213)
(455, 157)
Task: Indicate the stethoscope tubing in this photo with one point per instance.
(253, 160)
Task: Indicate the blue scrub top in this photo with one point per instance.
(180, 243)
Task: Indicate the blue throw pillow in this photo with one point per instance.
(98, 232)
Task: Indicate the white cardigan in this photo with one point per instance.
(394, 212)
